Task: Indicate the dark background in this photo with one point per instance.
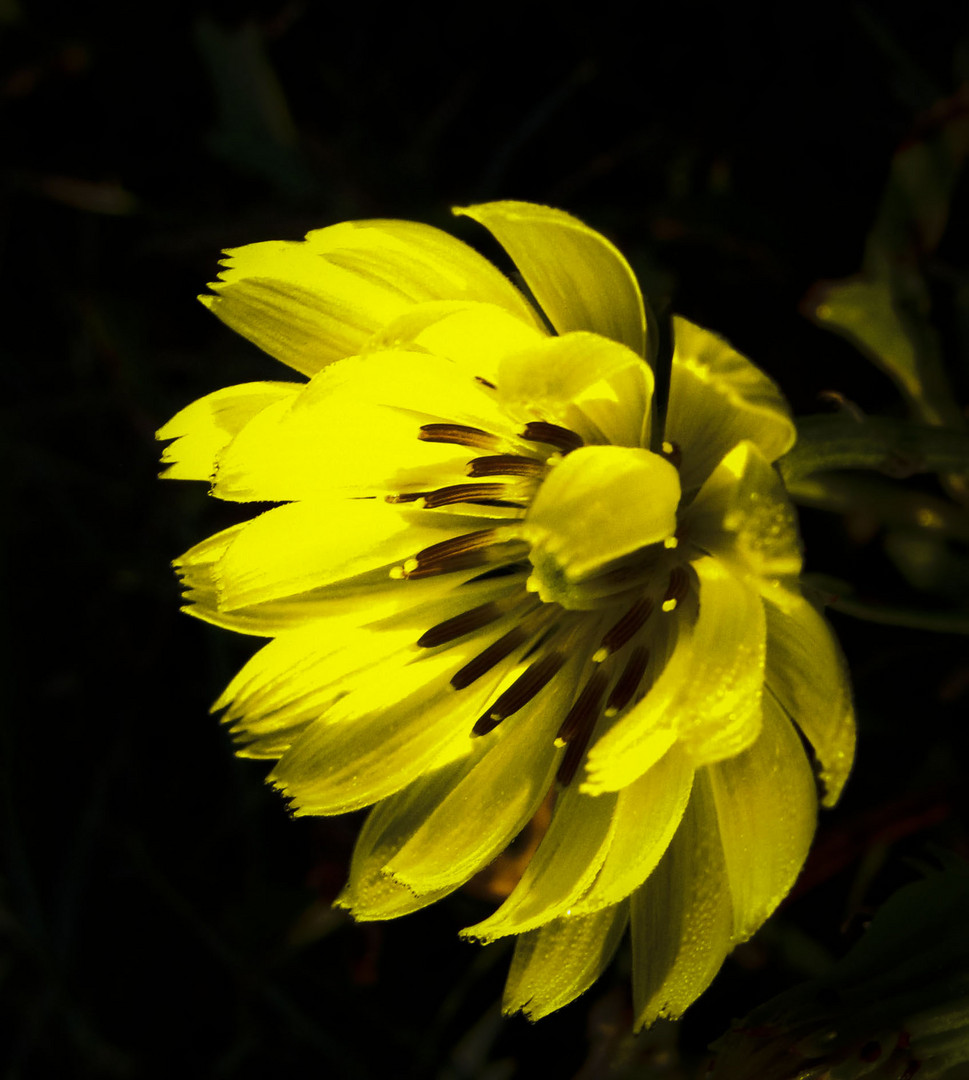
(160, 914)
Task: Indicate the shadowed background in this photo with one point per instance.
(160, 914)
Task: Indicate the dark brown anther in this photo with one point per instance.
(628, 626)
(485, 382)
(578, 725)
(458, 493)
(459, 553)
(585, 708)
(465, 623)
(487, 658)
(569, 764)
(561, 438)
(632, 675)
(458, 435)
(506, 465)
(533, 679)
(456, 545)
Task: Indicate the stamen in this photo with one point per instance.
(459, 553)
(493, 654)
(506, 465)
(459, 435)
(552, 435)
(632, 675)
(457, 545)
(574, 752)
(485, 382)
(679, 586)
(459, 625)
(458, 493)
(585, 708)
(624, 629)
(520, 693)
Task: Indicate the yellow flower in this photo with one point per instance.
(483, 586)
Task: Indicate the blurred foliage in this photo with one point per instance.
(159, 912)
(896, 1007)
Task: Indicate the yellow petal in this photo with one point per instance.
(274, 617)
(562, 868)
(315, 659)
(742, 516)
(513, 771)
(356, 428)
(387, 597)
(718, 399)
(681, 918)
(311, 302)
(709, 694)
(806, 673)
(556, 963)
(573, 524)
(304, 546)
(197, 571)
(404, 719)
(718, 711)
(635, 740)
(580, 280)
(291, 681)
(766, 806)
(372, 893)
(204, 428)
(648, 813)
(474, 336)
(585, 382)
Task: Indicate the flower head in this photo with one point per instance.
(491, 583)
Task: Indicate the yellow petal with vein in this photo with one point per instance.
(204, 428)
(303, 546)
(681, 918)
(356, 428)
(708, 695)
(401, 721)
(371, 892)
(580, 280)
(718, 399)
(766, 808)
(807, 674)
(596, 387)
(648, 813)
(473, 336)
(512, 774)
(743, 516)
(310, 302)
(561, 870)
(559, 961)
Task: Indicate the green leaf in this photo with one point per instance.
(899, 998)
(840, 596)
(897, 448)
(885, 317)
(885, 310)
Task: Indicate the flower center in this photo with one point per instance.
(598, 522)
